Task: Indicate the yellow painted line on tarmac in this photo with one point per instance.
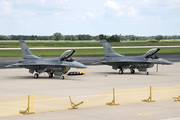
(143, 114)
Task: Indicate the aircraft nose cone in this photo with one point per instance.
(78, 65)
(166, 62)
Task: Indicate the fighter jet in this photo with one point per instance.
(56, 66)
(121, 62)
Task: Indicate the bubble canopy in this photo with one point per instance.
(152, 52)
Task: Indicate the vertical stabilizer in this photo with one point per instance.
(26, 51)
(109, 52)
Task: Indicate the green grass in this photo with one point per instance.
(84, 52)
(31, 44)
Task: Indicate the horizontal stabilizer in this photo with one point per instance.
(11, 65)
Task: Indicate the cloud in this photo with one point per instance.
(5, 7)
(90, 15)
(83, 18)
(57, 14)
(111, 4)
(43, 1)
(133, 12)
(119, 14)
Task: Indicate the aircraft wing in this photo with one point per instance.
(45, 64)
(128, 62)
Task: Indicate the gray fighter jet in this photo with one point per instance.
(122, 62)
(56, 66)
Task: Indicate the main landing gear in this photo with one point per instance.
(132, 71)
(36, 75)
(121, 71)
(50, 75)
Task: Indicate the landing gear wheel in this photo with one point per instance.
(132, 71)
(62, 77)
(147, 73)
(50, 75)
(120, 71)
(36, 75)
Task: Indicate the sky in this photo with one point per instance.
(93, 17)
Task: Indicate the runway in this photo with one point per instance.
(98, 79)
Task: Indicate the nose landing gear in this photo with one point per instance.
(62, 77)
(147, 73)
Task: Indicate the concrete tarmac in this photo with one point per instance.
(98, 79)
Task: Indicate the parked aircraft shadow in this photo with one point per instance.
(43, 78)
(116, 73)
(128, 73)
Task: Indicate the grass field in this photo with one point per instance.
(85, 52)
(32, 44)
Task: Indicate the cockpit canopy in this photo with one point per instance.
(151, 52)
(66, 54)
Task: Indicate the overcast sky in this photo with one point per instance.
(94, 17)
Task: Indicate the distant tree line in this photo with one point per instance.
(114, 38)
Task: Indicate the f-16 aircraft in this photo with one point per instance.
(122, 62)
(56, 66)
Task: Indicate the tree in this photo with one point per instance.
(102, 37)
(57, 36)
(113, 39)
(159, 37)
(84, 37)
(122, 38)
(174, 37)
(3, 37)
(132, 37)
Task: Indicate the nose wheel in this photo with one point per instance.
(147, 73)
(36, 75)
(62, 77)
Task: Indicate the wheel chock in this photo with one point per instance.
(73, 105)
